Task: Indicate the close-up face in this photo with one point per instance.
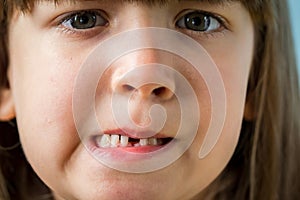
(50, 48)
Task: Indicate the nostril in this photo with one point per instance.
(163, 92)
(159, 91)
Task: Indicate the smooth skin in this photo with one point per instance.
(45, 56)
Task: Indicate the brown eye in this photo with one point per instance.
(198, 21)
(84, 20)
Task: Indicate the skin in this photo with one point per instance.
(44, 62)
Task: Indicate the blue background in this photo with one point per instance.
(295, 18)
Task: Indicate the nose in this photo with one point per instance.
(150, 81)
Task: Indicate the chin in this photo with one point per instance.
(122, 190)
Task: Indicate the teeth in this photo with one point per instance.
(153, 141)
(114, 140)
(124, 141)
(143, 142)
(104, 141)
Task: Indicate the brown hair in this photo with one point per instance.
(266, 162)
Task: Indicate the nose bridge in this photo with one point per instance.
(139, 71)
(144, 56)
(141, 16)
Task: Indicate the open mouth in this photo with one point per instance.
(119, 141)
(115, 141)
(134, 151)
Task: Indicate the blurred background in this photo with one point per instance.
(295, 18)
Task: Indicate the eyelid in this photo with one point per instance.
(67, 16)
(79, 33)
(223, 21)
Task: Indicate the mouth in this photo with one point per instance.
(135, 142)
(135, 151)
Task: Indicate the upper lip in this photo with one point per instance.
(136, 134)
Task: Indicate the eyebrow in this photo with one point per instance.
(159, 2)
(162, 2)
(167, 1)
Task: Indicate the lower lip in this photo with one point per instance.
(140, 149)
(118, 152)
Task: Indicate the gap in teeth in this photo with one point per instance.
(112, 141)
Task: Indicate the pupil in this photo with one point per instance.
(197, 22)
(84, 21)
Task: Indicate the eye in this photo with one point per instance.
(84, 20)
(199, 21)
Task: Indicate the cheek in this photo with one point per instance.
(42, 82)
(234, 67)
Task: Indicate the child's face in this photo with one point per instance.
(46, 54)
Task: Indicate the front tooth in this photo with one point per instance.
(114, 140)
(124, 141)
(104, 141)
(153, 141)
(143, 142)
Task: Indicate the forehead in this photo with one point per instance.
(29, 3)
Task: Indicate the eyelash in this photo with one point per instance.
(91, 31)
(67, 21)
(223, 25)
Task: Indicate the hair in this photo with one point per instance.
(266, 162)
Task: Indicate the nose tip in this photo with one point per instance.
(153, 82)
